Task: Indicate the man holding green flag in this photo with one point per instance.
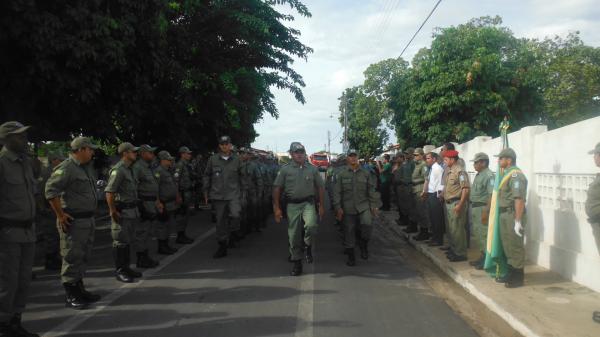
(505, 256)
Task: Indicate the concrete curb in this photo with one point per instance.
(492, 305)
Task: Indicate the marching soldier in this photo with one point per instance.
(512, 195)
(252, 181)
(299, 181)
(149, 206)
(169, 198)
(46, 218)
(17, 229)
(183, 176)
(480, 197)
(456, 194)
(71, 192)
(122, 200)
(419, 175)
(222, 187)
(356, 202)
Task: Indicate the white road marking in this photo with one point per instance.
(80, 317)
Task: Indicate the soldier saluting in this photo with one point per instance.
(298, 181)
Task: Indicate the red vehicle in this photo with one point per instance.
(320, 160)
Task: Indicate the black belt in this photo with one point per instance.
(79, 215)
(126, 205)
(299, 201)
(15, 223)
(478, 204)
(147, 198)
(506, 209)
(449, 201)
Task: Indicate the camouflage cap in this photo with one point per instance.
(352, 151)
(124, 147)
(418, 151)
(146, 148)
(56, 155)
(507, 153)
(184, 149)
(81, 142)
(595, 150)
(410, 150)
(296, 147)
(11, 128)
(165, 155)
(480, 156)
(224, 140)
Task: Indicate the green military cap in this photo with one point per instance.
(410, 150)
(56, 155)
(507, 153)
(224, 140)
(165, 155)
(595, 150)
(296, 146)
(351, 152)
(418, 151)
(81, 142)
(146, 148)
(480, 156)
(184, 149)
(124, 147)
(12, 128)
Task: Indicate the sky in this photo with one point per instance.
(349, 35)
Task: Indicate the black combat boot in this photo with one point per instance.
(308, 254)
(478, 264)
(165, 249)
(120, 272)
(422, 236)
(17, 330)
(52, 262)
(74, 298)
(221, 251)
(127, 266)
(183, 239)
(516, 279)
(412, 228)
(86, 295)
(234, 241)
(364, 249)
(351, 258)
(144, 260)
(297, 268)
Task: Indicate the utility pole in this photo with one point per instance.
(328, 144)
(345, 124)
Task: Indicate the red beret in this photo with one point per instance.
(451, 153)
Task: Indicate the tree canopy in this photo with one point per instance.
(147, 71)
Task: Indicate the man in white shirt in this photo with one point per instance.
(433, 190)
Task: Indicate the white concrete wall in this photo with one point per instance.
(559, 170)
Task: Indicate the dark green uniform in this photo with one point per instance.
(46, 220)
(513, 245)
(298, 184)
(421, 212)
(455, 181)
(405, 192)
(354, 192)
(592, 204)
(147, 188)
(75, 185)
(167, 193)
(17, 231)
(481, 193)
(222, 184)
(183, 176)
(122, 183)
(251, 182)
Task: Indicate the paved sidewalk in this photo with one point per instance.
(547, 306)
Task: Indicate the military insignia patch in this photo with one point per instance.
(514, 175)
(157, 175)
(516, 184)
(113, 173)
(59, 172)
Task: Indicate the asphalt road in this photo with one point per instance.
(250, 293)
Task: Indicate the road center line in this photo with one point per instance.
(80, 317)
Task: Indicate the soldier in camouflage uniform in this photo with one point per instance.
(183, 176)
(71, 192)
(418, 179)
(406, 181)
(170, 199)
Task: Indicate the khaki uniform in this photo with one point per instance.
(421, 212)
(167, 194)
(17, 231)
(75, 185)
(183, 176)
(481, 193)
(513, 245)
(592, 204)
(122, 183)
(147, 188)
(354, 192)
(298, 185)
(45, 218)
(222, 184)
(456, 180)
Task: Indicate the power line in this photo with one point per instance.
(418, 30)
